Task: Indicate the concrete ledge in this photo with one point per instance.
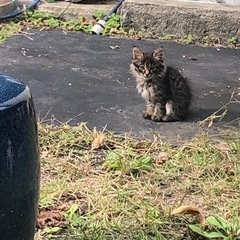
(181, 18)
(74, 9)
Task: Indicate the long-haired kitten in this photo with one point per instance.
(165, 90)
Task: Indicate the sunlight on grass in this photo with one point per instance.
(127, 188)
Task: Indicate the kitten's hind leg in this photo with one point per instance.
(149, 111)
(171, 115)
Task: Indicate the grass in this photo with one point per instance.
(125, 188)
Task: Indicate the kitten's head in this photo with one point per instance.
(148, 65)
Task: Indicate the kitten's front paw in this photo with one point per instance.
(167, 118)
(146, 115)
(156, 118)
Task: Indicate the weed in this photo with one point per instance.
(188, 39)
(9, 29)
(113, 25)
(218, 229)
(127, 161)
(99, 14)
(166, 37)
(233, 40)
(211, 40)
(37, 19)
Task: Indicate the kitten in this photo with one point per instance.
(165, 90)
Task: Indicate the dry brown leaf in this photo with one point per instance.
(161, 158)
(188, 209)
(98, 141)
(114, 31)
(114, 47)
(137, 37)
(64, 207)
(50, 218)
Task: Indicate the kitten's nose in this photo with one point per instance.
(146, 74)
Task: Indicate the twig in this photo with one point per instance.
(25, 34)
(215, 115)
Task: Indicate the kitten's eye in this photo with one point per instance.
(141, 68)
(153, 69)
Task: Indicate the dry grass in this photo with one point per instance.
(127, 188)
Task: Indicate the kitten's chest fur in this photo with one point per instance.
(146, 90)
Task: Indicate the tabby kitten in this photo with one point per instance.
(165, 90)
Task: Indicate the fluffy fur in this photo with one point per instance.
(165, 90)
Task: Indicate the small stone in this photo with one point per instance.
(192, 58)
(75, 69)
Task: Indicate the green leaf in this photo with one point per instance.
(114, 160)
(218, 222)
(51, 230)
(143, 163)
(211, 235)
(72, 211)
(196, 229)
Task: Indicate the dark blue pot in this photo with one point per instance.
(19, 161)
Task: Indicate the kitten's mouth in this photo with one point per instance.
(147, 78)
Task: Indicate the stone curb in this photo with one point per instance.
(179, 18)
(163, 18)
(74, 9)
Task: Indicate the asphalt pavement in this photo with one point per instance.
(85, 78)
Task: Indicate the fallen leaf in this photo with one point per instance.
(113, 30)
(161, 158)
(50, 218)
(64, 207)
(114, 47)
(192, 210)
(98, 141)
(137, 37)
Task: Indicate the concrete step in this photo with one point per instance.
(182, 18)
(75, 9)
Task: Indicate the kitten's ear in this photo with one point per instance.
(137, 53)
(158, 54)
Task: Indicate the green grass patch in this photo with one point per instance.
(127, 188)
(47, 20)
